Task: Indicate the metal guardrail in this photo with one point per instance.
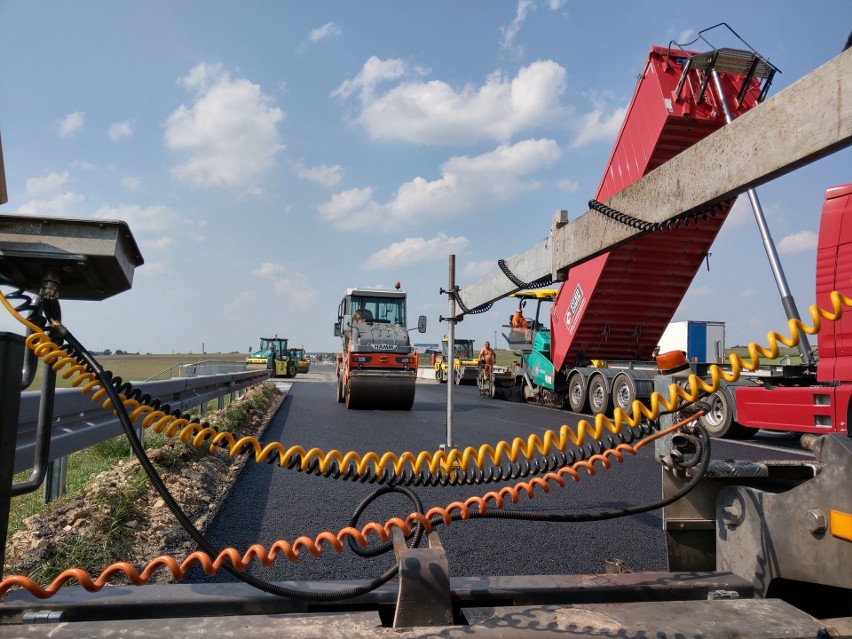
(79, 423)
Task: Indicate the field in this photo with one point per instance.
(138, 368)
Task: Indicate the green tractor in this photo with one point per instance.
(273, 355)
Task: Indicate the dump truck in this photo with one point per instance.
(597, 333)
(377, 367)
(464, 362)
(273, 355)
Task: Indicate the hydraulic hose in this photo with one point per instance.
(196, 535)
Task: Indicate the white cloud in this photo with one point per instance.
(479, 268)
(142, 219)
(798, 242)
(467, 184)
(119, 130)
(49, 196)
(436, 113)
(555, 5)
(71, 123)
(596, 126)
(568, 185)
(351, 209)
(130, 183)
(321, 174)
(415, 250)
(328, 30)
(50, 184)
(57, 205)
(511, 31)
(294, 287)
(230, 131)
(374, 72)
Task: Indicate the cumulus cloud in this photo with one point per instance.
(294, 287)
(328, 30)
(467, 184)
(71, 123)
(229, 132)
(436, 113)
(49, 196)
(798, 242)
(597, 125)
(321, 174)
(48, 185)
(119, 130)
(415, 250)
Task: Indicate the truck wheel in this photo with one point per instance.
(439, 376)
(291, 369)
(719, 420)
(577, 394)
(339, 389)
(623, 392)
(599, 399)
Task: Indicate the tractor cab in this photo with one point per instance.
(528, 327)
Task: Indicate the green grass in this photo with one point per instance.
(83, 465)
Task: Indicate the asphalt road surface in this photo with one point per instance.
(269, 503)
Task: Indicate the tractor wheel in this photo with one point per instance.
(291, 368)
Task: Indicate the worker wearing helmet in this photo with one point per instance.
(520, 324)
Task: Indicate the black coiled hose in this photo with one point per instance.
(196, 535)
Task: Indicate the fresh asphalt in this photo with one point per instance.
(269, 503)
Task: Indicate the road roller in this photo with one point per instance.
(377, 366)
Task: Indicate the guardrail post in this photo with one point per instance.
(11, 363)
(54, 482)
(220, 402)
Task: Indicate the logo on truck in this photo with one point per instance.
(384, 347)
(572, 314)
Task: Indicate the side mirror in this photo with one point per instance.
(337, 329)
(421, 324)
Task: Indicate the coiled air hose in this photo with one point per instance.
(203, 543)
(456, 511)
(388, 467)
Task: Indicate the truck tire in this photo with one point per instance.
(623, 392)
(439, 375)
(291, 368)
(577, 398)
(719, 420)
(599, 398)
(340, 397)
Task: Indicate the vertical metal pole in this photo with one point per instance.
(451, 350)
(54, 482)
(11, 362)
(774, 263)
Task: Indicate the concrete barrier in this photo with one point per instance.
(425, 373)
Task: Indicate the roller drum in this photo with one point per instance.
(380, 393)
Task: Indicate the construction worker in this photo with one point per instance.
(362, 315)
(520, 324)
(487, 358)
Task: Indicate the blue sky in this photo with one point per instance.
(268, 155)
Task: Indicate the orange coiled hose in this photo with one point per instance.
(315, 546)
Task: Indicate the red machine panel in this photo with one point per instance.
(618, 305)
(834, 272)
